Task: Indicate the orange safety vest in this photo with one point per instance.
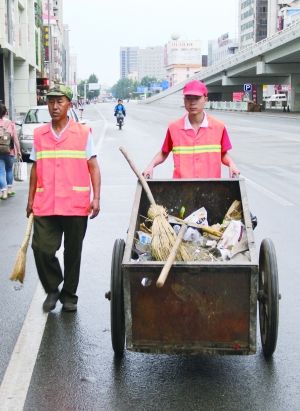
(63, 179)
(197, 155)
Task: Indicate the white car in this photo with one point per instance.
(35, 117)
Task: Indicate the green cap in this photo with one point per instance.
(60, 90)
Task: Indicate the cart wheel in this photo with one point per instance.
(117, 317)
(268, 297)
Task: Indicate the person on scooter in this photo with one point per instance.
(120, 109)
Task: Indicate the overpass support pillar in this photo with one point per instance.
(259, 93)
(227, 96)
(295, 92)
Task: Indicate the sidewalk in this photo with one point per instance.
(272, 113)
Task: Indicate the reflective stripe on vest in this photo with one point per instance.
(213, 148)
(81, 188)
(60, 154)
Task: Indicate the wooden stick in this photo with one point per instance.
(168, 264)
(204, 228)
(139, 175)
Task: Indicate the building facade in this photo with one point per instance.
(182, 59)
(19, 57)
(221, 48)
(253, 21)
(32, 54)
(128, 61)
(151, 63)
(281, 14)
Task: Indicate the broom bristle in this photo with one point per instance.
(163, 236)
(18, 272)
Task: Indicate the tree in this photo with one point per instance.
(148, 81)
(84, 84)
(80, 88)
(93, 93)
(124, 88)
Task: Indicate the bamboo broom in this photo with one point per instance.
(163, 235)
(18, 272)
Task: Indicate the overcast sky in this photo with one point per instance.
(98, 28)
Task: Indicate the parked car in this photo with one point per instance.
(35, 117)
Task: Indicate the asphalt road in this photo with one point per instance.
(73, 367)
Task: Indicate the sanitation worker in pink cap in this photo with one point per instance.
(199, 142)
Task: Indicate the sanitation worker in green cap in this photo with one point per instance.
(64, 190)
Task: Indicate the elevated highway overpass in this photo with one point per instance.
(274, 60)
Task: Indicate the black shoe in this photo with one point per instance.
(69, 306)
(50, 302)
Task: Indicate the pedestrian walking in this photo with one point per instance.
(9, 150)
(65, 169)
(199, 142)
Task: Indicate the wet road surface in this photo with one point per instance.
(75, 368)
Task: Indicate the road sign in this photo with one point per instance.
(247, 87)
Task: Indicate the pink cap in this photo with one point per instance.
(195, 88)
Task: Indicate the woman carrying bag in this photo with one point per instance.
(9, 149)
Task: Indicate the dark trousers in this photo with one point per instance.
(46, 240)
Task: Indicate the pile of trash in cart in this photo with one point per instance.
(223, 241)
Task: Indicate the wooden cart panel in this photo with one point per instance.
(203, 307)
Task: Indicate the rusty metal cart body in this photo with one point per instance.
(204, 307)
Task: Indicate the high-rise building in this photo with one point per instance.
(151, 63)
(253, 19)
(128, 61)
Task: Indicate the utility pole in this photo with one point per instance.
(11, 105)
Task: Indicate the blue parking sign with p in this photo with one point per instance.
(247, 87)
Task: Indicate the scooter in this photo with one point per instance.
(120, 120)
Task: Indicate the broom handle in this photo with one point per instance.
(204, 228)
(139, 175)
(170, 260)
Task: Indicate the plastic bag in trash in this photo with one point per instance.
(191, 234)
(143, 242)
(231, 235)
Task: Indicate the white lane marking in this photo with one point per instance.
(103, 131)
(15, 384)
(269, 193)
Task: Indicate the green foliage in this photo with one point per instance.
(147, 81)
(93, 78)
(124, 88)
(90, 94)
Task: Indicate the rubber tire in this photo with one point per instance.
(117, 316)
(268, 297)
(120, 125)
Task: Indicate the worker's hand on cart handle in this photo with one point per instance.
(148, 173)
(235, 175)
(234, 172)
